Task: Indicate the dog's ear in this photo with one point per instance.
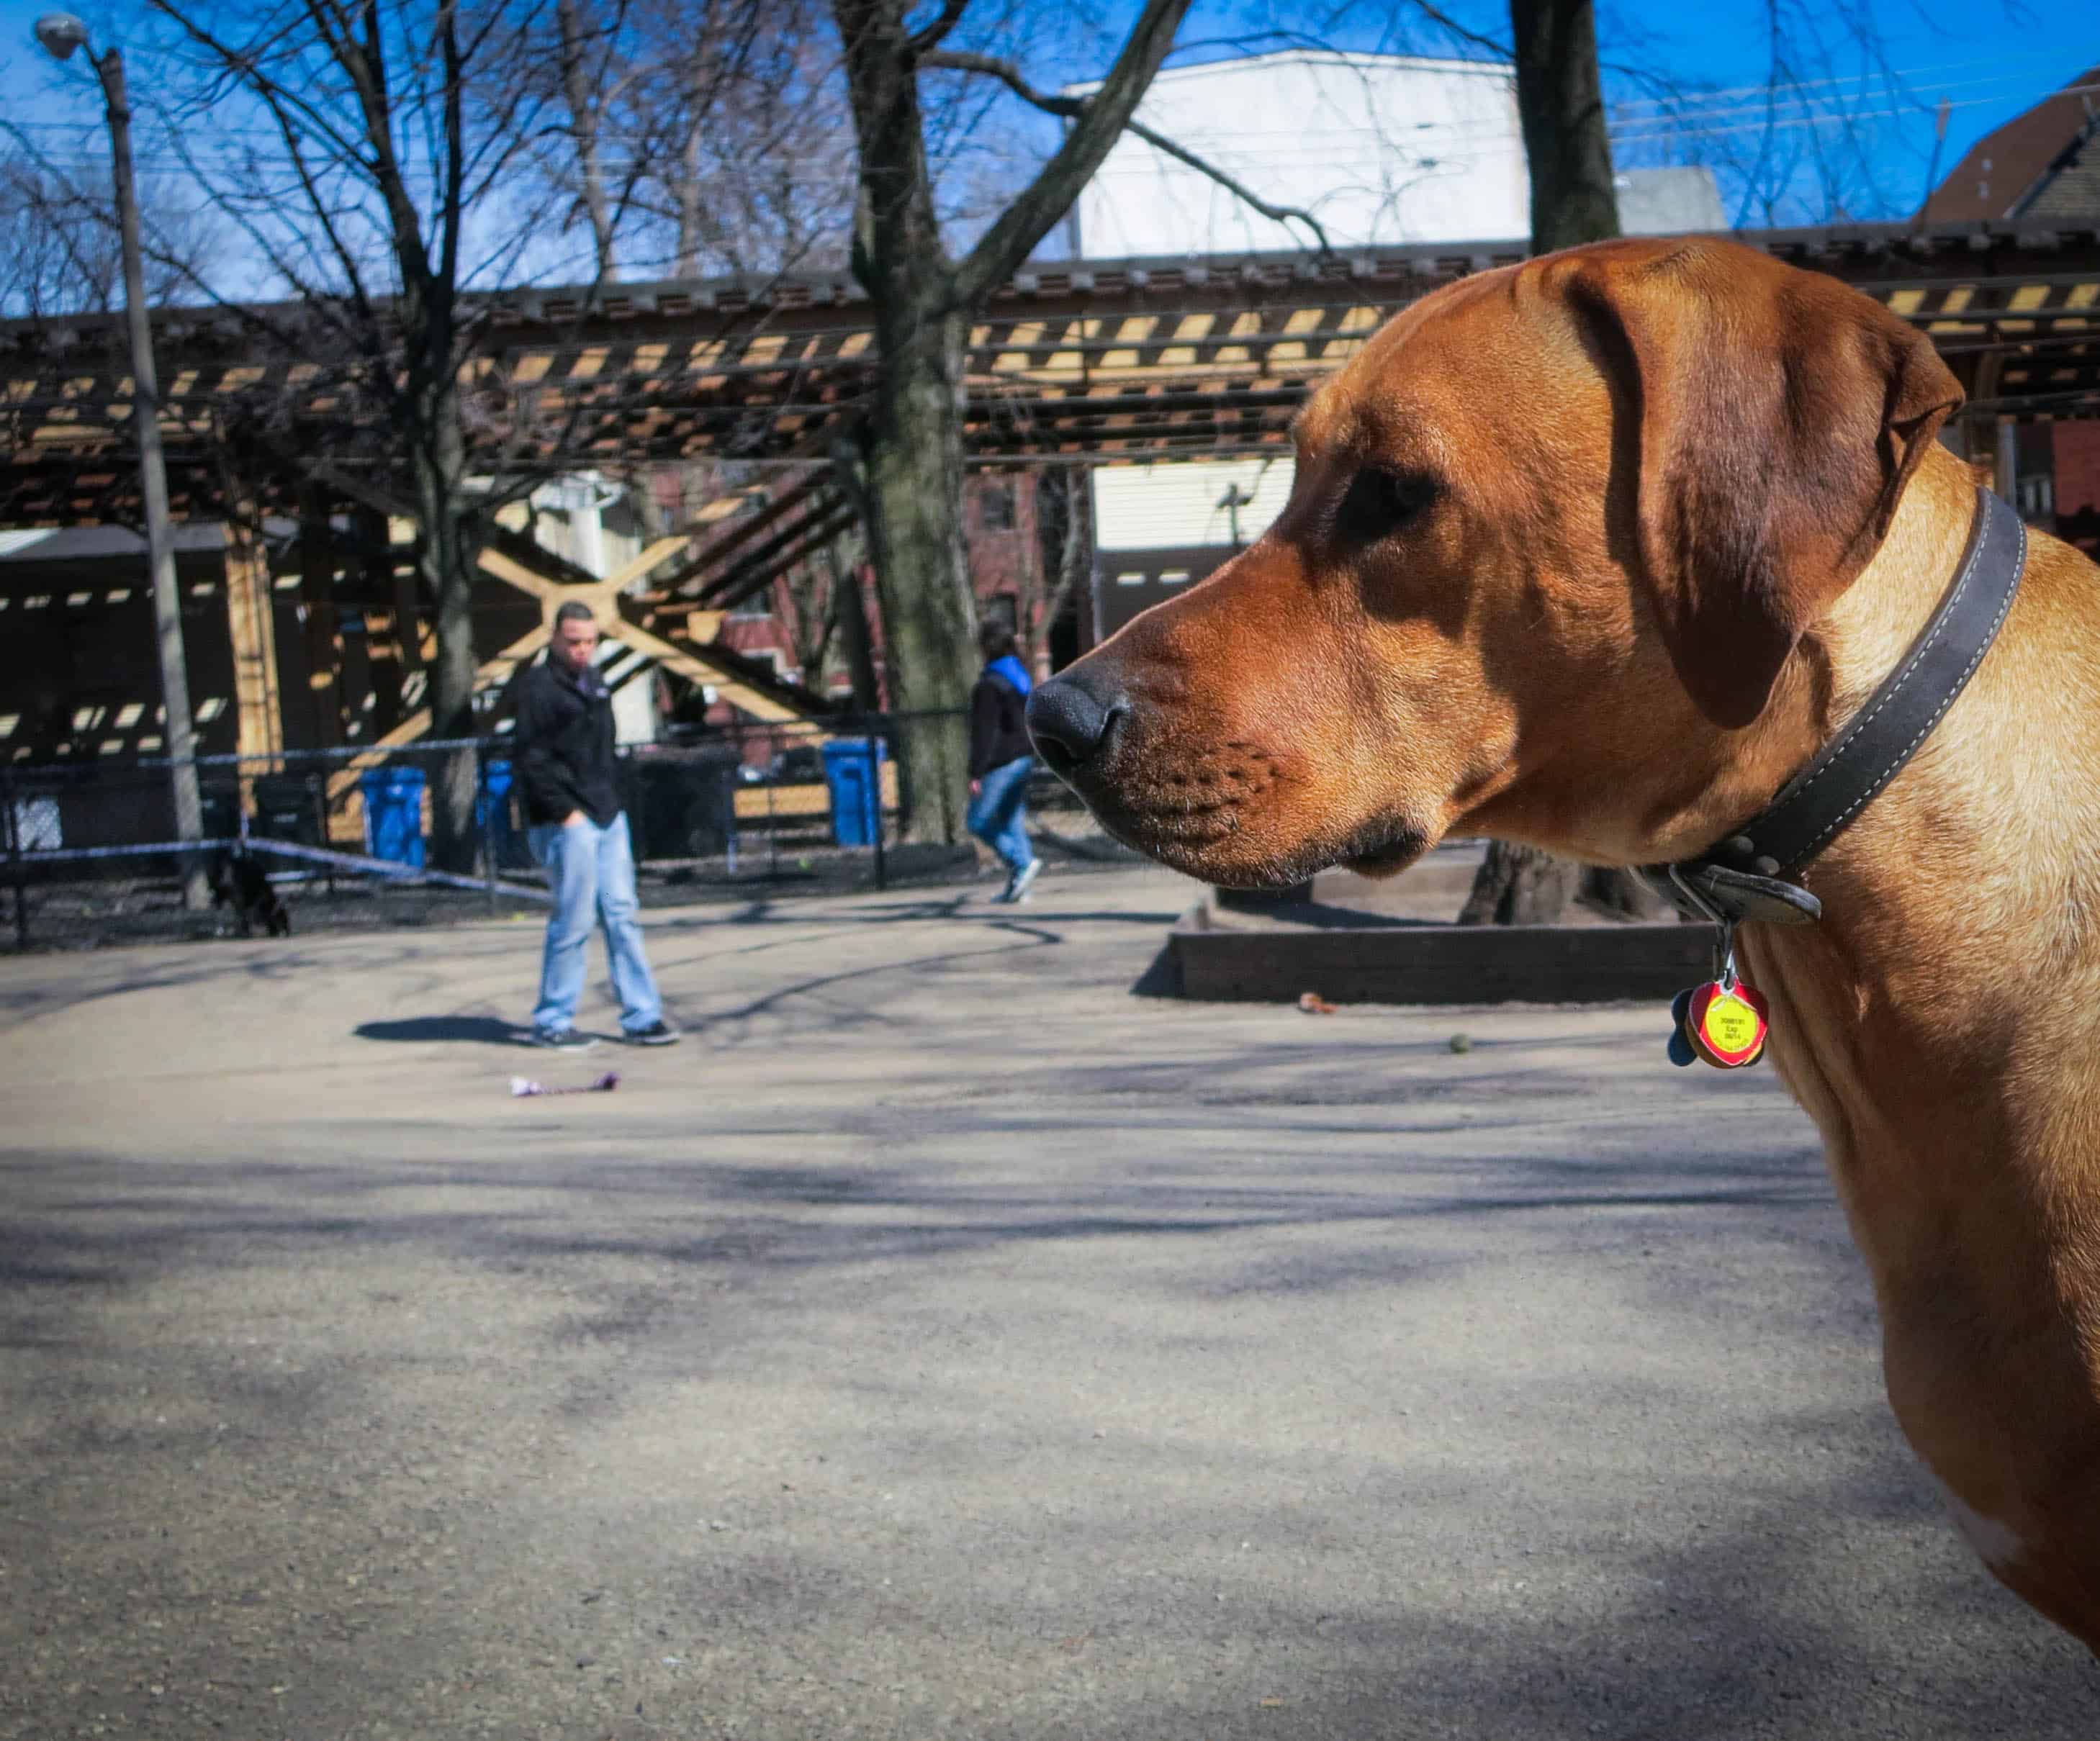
(1779, 415)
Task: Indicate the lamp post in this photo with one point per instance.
(60, 33)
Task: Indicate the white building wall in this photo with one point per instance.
(1379, 148)
(1176, 503)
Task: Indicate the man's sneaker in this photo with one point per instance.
(1019, 884)
(656, 1034)
(563, 1039)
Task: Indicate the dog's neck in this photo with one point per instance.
(1711, 782)
(1875, 621)
(1966, 873)
(1934, 845)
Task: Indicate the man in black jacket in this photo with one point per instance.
(571, 785)
(1001, 759)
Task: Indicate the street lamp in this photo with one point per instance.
(60, 33)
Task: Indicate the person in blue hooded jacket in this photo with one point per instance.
(1001, 759)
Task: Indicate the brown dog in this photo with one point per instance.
(1592, 553)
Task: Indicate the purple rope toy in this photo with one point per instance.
(523, 1086)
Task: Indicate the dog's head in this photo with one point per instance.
(1552, 525)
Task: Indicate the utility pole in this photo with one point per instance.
(60, 33)
(1932, 168)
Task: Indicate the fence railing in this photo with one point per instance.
(346, 836)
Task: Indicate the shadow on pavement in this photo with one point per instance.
(486, 1030)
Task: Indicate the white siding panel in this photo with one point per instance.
(1175, 503)
(1380, 148)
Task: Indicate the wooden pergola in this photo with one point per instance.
(1091, 362)
(1104, 361)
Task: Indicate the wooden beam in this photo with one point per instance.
(376, 496)
(762, 568)
(745, 531)
(693, 665)
(628, 573)
(408, 626)
(258, 713)
(317, 568)
(515, 573)
(386, 674)
(495, 670)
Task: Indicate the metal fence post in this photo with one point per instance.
(318, 778)
(772, 830)
(873, 742)
(17, 872)
(485, 802)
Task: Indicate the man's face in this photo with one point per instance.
(576, 643)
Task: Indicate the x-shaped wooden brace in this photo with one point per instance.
(604, 598)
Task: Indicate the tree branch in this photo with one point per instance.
(1073, 108)
(1444, 20)
(926, 41)
(1028, 219)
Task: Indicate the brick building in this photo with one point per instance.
(2040, 168)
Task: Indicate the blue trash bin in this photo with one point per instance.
(852, 771)
(491, 817)
(393, 814)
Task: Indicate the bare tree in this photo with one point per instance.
(924, 299)
(60, 253)
(753, 173)
(585, 49)
(805, 600)
(1064, 513)
(387, 158)
(383, 137)
(1561, 107)
(707, 135)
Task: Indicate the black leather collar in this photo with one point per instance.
(1748, 875)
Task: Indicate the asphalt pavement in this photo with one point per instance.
(943, 1342)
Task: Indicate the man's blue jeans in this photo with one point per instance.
(590, 873)
(996, 816)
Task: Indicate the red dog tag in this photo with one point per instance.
(1727, 1022)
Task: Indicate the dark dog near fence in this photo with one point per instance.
(239, 881)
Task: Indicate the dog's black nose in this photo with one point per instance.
(1072, 717)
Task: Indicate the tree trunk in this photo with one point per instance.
(447, 563)
(1519, 885)
(912, 444)
(913, 440)
(1561, 104)
(690, 216)
(915, 500)
(583, 123)
(1075, 552)
(858, 643)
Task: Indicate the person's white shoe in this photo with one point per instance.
(1018, 884)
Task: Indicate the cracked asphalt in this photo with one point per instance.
(944, 1342)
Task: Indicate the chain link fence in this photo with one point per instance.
(316, 840)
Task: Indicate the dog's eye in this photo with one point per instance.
(1379, 501)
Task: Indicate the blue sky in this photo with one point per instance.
(1986, 61)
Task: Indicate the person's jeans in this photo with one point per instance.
(996, 816)
(590, 873)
